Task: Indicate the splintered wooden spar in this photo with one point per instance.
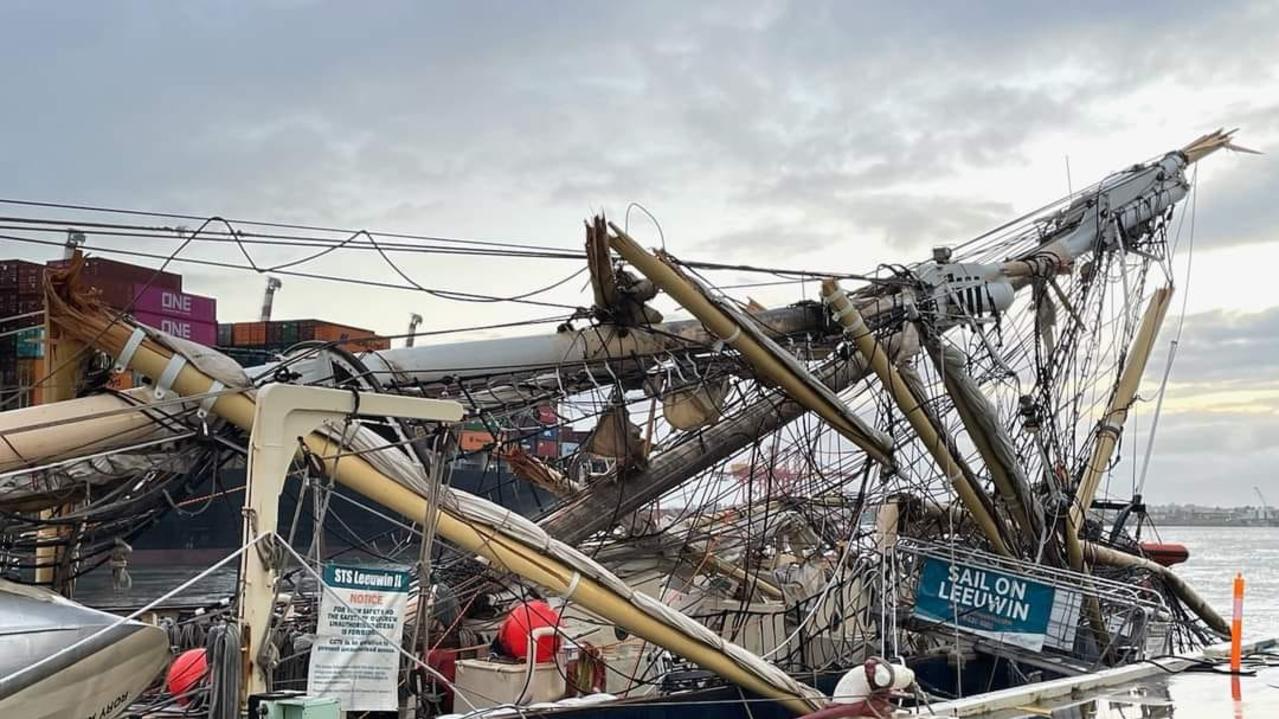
(766, 360)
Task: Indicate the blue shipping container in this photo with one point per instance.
(30, 343)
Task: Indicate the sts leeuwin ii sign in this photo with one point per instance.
(352, 660)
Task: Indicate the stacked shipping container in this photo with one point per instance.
(154, 298)
(21, 343)
(537, 432)
(255, 342)
(182, 315)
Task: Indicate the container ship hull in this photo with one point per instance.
(207, 527)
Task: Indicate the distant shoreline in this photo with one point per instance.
(1224, 524)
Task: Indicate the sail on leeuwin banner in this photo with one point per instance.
(981, 600)
(349, 661)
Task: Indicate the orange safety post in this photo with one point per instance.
(1236, 627)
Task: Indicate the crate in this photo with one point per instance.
(287, 333)
(487, 683)
(9, 274)
(14, 303)
(306, 330)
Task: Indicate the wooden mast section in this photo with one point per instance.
(911, 406)
(1112, 422)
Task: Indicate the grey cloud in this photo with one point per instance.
(1240, 207)
(1214, 433)
(768, 237)
(910, 222)
(1221, 349)
(302, 110)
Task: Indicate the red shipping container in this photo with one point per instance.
(115, 280)
(171, 303)
(27, 276)
(97, 268)
(548, 448)
(205, 333)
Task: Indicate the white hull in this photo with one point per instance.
(94, 680)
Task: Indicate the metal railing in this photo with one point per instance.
(1028, 607)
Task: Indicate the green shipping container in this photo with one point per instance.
(288, 333)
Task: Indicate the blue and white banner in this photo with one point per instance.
(349, 661)
(1004, 607)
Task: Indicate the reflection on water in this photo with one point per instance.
(1216, 553)
(1166, 696)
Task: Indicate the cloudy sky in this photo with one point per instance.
(825, 136)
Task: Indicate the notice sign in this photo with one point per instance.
(349, 661)
(1004, 607)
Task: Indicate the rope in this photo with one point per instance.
(223, 652)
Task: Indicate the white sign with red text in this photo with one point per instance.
(349, 661)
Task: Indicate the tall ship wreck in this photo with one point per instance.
(882, 502)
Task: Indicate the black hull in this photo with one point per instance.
(204, 530)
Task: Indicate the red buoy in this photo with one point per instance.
(518, 626)
(1165, 553)
(185, 673)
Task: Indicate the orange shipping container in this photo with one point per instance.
(248, 334)
(472, 441)
(329, 332)
(372, 343)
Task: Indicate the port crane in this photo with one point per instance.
(272, 284)
(414, 320)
